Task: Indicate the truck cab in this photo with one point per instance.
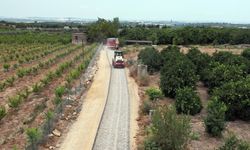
(118, 60)
(113, 43)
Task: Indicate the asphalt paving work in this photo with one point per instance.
(113, 131)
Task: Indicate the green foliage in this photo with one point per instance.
(233, 143)
(36, 87)
(6, 67)
(57, 100)
(21, 72)
(154, 93)
(34, 135)
(169, 130)
(59, 91)
(200, 60)
(228, 58)
(170, 54)
(177, 72)
(246, 53)
(74, 74)
(150, 144)
(102, 29)
(15, 101)
(2, 112)
(24, 93)
(236, 96)
(35, 37)
(187, 35)
(152, 58)
(10, 81)
(215, 119)
(195, 136)
(2, 86)
(187, 101)
(218, 74)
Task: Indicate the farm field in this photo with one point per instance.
(34, 79)
(200, 139)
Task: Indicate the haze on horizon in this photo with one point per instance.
(230, 11)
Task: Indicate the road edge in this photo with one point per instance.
(110, 77)
(134, 109)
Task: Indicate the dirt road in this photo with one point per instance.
(82, 133)
(113, 133)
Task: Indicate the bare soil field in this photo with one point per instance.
(32, 106)
(209, 49)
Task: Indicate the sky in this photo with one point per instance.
(229, 11)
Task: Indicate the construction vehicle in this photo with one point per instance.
(118, 60)
(113, 43)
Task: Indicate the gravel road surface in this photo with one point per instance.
(113, 133)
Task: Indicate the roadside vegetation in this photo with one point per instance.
(225, 75)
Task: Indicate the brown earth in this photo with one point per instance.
(24, 116)
(29, 80)
(82, 132)
(11, 72)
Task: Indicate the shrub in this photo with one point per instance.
(233, 143)
(150, 144)
(36, 87)
(169, 130)
(6, 67)
(10, 81)
(146, 107)
(50, 76)
(215, 119)
(228, 58)
(2, 112)
(187, 101)
(176, 74)
(15, 101)
(34, 135)
(15, 66)
(218, 74)
(152, 58)
(57, 100)
(154, 93)
(49, 117)
(236, 96)
(2, 86)
(170, 54)
(246, 53)
(24, 93)
(74, 74)
(59, 91)
(45, 81)
(58, 73)
(21, 72)
(200, 60)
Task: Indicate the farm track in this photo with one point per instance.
(11, 72)
(113, 132)
(25, 112)
(29, 80)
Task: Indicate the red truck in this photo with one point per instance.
(112, 43)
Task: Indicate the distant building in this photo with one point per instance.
(66, 28)
(79, 38)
